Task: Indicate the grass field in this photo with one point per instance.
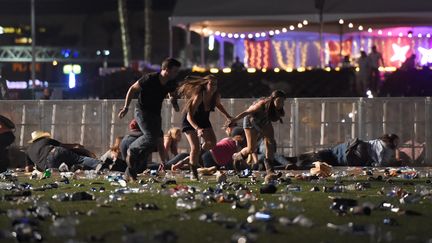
(117, 221)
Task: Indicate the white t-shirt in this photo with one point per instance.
(379, 153)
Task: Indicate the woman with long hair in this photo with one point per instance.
(202, 97)
(257, 122)
(114, 152)
(171, 139)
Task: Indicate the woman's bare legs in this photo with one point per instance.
(179, 165)
(251, 139)
(194, 144)
(268, 136)
(209, 138)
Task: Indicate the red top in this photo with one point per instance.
(224, 150)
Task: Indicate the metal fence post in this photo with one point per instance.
(361, 118)
(23, 125)
(384, 117)
(104, 124)
(294, 120)
(41, 112)
(323, 120)
(428, 138)
(83, 123)
(53, 119)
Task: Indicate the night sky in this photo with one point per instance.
(77, 6)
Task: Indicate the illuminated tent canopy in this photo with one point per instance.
(245, 15)
(374, 23)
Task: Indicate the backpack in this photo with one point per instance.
(357, 153)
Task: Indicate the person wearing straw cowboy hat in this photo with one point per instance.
(45, 152)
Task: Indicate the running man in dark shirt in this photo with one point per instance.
(152, 89)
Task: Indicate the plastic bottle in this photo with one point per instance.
(90, 174)
(47, 173)
(290, 198)
(334, 189)
(183, 204)
(293, 188)
(6, 186)
(302, 221)
(64, 227)
(263, 216)
(15, 213)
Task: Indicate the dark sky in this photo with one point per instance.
(77, 6)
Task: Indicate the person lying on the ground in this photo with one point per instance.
(45, 152)
(376, 152)
(7, 137)
(171, 141)
(113, 159)
(413, 152)
(170, 148)
(113, 152)
(279, 160)
(220, 156)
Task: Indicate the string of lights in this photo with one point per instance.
(380, 32)
(251, 35)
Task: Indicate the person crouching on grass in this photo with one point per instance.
(257, 121)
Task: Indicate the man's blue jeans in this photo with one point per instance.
(143, 146)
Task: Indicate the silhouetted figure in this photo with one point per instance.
(363, 74)
(409, 63)
(375, 58)
(46, 95)
(237, 66)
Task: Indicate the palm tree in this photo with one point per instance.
(122, 12)
(147, 32)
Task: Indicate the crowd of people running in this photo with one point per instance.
(249, 146)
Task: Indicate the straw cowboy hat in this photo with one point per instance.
(39, 134)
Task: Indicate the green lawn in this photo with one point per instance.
(113, 221)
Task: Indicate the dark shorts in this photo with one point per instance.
(248, 124)
(201, 121)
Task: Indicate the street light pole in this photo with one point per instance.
(319, 4)
(33, 42)
(341, 24)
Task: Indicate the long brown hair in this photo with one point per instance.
(172, 131)
(193, 86)
(273, 113)
(116, 145)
